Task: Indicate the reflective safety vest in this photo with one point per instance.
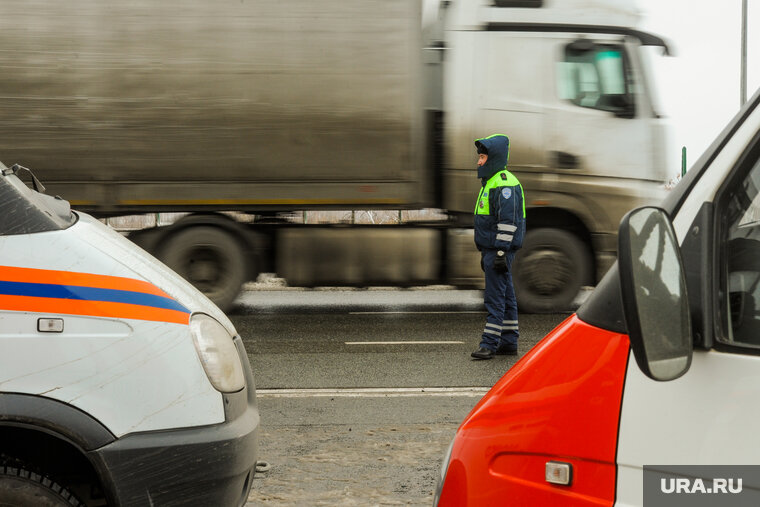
(502, 227)
(501, 179)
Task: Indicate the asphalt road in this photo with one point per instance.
(361, 391)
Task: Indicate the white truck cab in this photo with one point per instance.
(120, 383)
(569, 82)
(648, 395)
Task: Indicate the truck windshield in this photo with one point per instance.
(25, 211)
(596, 76)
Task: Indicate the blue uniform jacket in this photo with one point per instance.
(500, 210)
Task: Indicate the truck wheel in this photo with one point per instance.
(209, 258)
(22, 487)
(549, 271)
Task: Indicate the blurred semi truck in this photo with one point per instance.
(270, 108)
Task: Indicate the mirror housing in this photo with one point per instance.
(623, 107)
(653, 287)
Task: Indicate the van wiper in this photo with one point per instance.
(15, 168)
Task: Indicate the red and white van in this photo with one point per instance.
(660, 367)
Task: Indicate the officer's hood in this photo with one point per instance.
(498, 155)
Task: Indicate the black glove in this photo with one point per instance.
(500, 262)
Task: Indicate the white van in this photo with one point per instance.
(658, 373)
(120, 384)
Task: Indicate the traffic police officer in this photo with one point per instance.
(499, 232)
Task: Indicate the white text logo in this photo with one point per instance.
(683, 485)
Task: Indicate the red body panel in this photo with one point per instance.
(560, 402)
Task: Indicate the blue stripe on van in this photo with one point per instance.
(44, 290)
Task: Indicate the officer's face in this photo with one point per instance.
(482, 158)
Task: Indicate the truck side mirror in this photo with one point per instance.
(653, 286)
(622, 106)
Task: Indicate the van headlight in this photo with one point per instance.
(217, 353)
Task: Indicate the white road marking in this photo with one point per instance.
(373, 392)
(412, 313)
(432, 342)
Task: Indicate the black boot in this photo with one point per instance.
(483, 353)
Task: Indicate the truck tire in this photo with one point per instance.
(209, 258)
(20, 486)
(549, 271)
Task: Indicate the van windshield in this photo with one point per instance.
(25, 211)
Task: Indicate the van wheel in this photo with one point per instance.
(20, 486)
(209, 258)
(549, 271)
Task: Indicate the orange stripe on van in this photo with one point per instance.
(33, 275)
(92, 308)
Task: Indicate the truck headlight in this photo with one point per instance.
(217, 353)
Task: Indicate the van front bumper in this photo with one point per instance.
(208, 465)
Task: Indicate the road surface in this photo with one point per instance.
(361, 391)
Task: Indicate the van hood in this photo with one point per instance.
(134, 262)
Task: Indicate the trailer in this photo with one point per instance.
(273, 108)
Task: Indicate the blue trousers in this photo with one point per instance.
(501, 331)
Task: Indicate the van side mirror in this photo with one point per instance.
(653, 286)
